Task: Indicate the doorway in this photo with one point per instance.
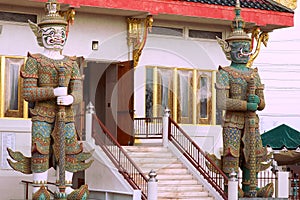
(114, 98)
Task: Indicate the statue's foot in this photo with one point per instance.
(80, 194)
(41, 194)
(266, 191)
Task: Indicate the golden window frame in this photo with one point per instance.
(10, 75)
(194, 101)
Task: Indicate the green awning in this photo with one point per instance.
(281, 136)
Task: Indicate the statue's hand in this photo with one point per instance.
(65, 100)
(60, 91)
(252, 106)
(252, 98)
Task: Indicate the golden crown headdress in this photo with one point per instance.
(52, 17)
(237, 26)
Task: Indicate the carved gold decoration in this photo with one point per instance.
(260, 37)
(292, 4)
(69, 15)
(137, 36)
(225, 47)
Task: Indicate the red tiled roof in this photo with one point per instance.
(255, 4)
(267, 14)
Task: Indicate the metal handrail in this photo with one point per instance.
(192, 152)
(122, 161)
(148, 128)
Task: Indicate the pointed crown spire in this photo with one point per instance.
(52, 8)
(238, 26)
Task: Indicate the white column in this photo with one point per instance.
(233, 186)
(137, 195)
(90, 110)
(213, 99)
(166, 127)
(282, 185)
(152, 186)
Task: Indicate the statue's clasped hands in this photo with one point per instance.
(253, 101)
(63, 99)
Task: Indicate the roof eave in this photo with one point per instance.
(267, 20)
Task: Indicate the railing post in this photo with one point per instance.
(233, 186)
(152, 186)
(90, 110)
(166, 126)
(26, 190)
(282, 185)
(137, 195)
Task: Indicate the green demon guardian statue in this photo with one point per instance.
(53, 83)
(240, 94)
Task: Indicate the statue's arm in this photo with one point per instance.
(224, 102)
(75, 84)
(31, 91)
(260, 93)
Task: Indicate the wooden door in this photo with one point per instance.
(125, 112)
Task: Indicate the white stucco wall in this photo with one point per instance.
(180, 52)
(17, 38)
(167, 51)
(110, 31)
(14, 134)
(278, 64)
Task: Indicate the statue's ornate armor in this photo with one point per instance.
(52, 82)
(232, 94)
(40, 75)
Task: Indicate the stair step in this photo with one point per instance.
(173, 171)
(175, 182)
(151, 155)
(146, 149)
(160, 170)
(174, 177)
(185, 198)
(183, 194)
(182, 188)
(156, 160)
(146, 167)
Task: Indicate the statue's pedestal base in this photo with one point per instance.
(258, 198)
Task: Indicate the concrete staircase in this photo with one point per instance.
(174, 179)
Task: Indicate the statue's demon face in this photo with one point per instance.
(54, 37)
(240, 51)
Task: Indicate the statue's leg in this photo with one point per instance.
(267, 190)
(73, 148)
(69, 177)
(231, 151)
(40, 158)
(246, 180)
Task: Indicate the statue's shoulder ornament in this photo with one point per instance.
(240, 74)
(72, 65)
(70, 61)
(29, 69)
(42, 60)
